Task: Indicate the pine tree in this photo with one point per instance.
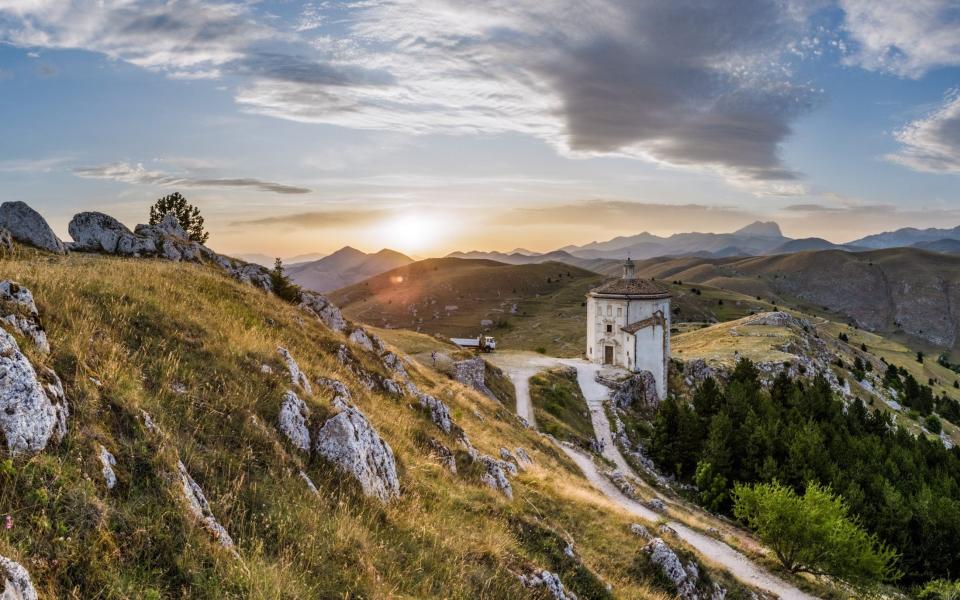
(283, 287)
(188, 216)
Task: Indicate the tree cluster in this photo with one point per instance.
(902, 488)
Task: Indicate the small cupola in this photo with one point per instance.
(629, 270)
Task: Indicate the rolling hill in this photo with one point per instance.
(344, 267)
(907, 236)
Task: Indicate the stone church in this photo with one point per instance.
(628, 325)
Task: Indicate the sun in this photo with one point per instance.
(412, 232)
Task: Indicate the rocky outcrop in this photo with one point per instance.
(297, 376)
(17, 584)
(640, 531)
(342, 398)
(663, 557)
(19, 310)
(293, 419)
(318, 305)
(550, 582)
(696, 371)
(6, 242)
(349, 442)
(107, 463)
(28, 227)
(523, 459)
(638, 392)
(171, 241)
(33, 409)
(97, 232)
(471, 373)
(444, 455)
(439, 411)
(310, 485)
(360, 337)
(200, 508)
(496, 475)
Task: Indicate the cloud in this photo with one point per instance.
(137, 174)
(689, 83)
(904, 38)
(932, 143)
(320, 219)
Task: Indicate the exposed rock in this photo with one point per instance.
(296, 375)
(341, 393)
(178, 388)
(662, 556)
(97, 232)
(148, 422)
(394, 364)
(523, 459)
(28, 227)
(696, 371)
(359, 337)
(18, 308)
(6, 242)
(568, 551)
(656, 505)
(354, 446)
(638, 392)
(550, 582)
(320, 307)
(17, 584)
(495, 476)
(33, 409)
(292, 421)
(439, 412)
(266, 369)
(471, 373)
(640, 531)
(107, 462)
(505, 454)
(444, 455)
(310, 485)
(200, 508)
(172, 242)
(486, 323)
(665, 529)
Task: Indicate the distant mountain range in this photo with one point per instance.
(268, 261)
(344, 267)
(908, 236)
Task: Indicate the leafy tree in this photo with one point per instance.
(932, 424)
(713, 487)
(282, 285)
(940, 590)
(813, 533)
(187, 215)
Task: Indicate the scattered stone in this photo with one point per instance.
(28, 227)
(107, 462)
(657, 505)
(296, 375)
(486, 323)
(696, 371)
(266, 369)
(148, 422)
(394, 364)
(200, 508)
(341, 393)
(662, 556)
(354, 446)
(496, 477)
(321, 308)
(714, 533)
(568, 551)
(310, 486)
(640, 531)
(439, 411)
(478, 415)
(178, 388)
(17, 584)
(471, 373)
(292, 421)
(20, 311)
(505, 454)
(523, 459)
(97, 232)
(444, 455)
(665, 529)
(33, 409)
(550, 582)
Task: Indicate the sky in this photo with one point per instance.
(430, 126)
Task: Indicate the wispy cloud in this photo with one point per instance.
(932, 143)
(137, 174)
(644, 215)
(320, 219)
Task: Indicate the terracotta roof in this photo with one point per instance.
(643, 288)
(636, 326)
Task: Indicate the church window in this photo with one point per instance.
(609, 311)
(619, 311)
(609, 328)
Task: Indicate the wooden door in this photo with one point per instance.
(608, 355)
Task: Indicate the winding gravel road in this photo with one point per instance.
(521, 366)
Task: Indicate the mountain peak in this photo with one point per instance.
(761, 229)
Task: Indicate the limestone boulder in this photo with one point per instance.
(638, 392)
(6, 242)
(318, 305)
(342, 398)
(350, 442)
(360, 337)
(16, 581)
(293, 419)
(28, 227)
(97, 232)
(20, 312)
(496, 475)
(550, 583)
(33, 409)
(439, 411)
(664, 557)
(523, 459)
(297, 377)
(200, 508)
(107, 462)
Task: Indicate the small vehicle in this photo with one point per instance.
(483, 343)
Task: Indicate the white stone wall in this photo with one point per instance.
(600, 313)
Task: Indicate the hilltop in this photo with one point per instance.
(344, 267)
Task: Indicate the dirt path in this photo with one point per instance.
(520, 367)
(736, 563)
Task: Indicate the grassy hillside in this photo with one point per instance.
(560, 408)
(186, 344)
(526, 306)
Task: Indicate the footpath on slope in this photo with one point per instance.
(520, 367)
